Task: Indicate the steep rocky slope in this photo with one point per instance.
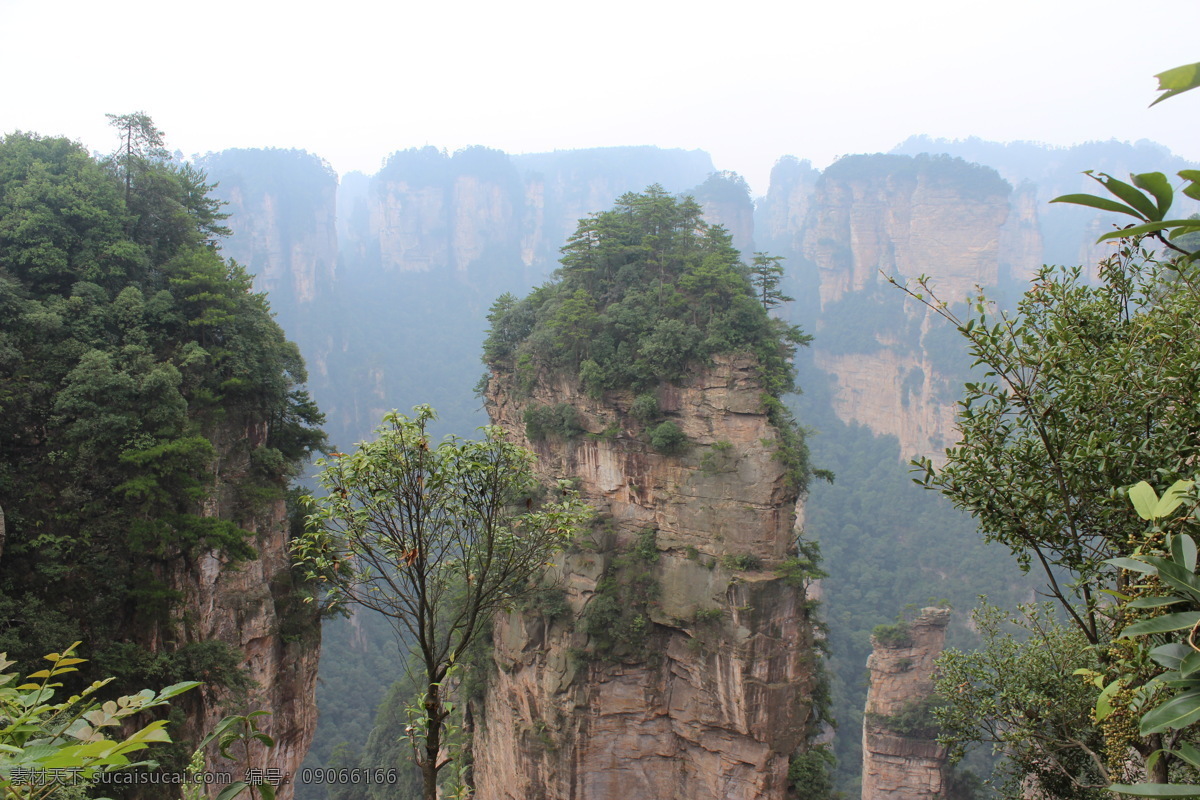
(896, 366)
(255, 607)
(282, 208)
(901, 757)
(712, 691)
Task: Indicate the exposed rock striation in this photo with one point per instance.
(901, 757)
(281, 206)
(875, 216)
(716, 693)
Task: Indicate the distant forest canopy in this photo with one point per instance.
(143, 386)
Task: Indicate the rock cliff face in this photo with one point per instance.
(901, 757)
(297, 263)
(786, 206)
(483, 210)
(710, 693)
(282, 206)
(905, 219)
(959, 224)
(441, 228)
(253, 606)
(897, 391)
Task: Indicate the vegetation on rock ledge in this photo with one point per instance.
(649, 293)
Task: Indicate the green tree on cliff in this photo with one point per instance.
(649, 293)
(766, 273)
(142, 384)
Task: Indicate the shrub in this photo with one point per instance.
(549, 601)
(914, 720)
(72, 738)
(802, 569)
(718, 458)
(616, 619)
(810, 773)
(668, 439)
(561, 420)
(745, 562)
(644, 408)
(645, 549)
(895, 635)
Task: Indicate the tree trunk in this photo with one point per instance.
(433, 740)
(1159, 773)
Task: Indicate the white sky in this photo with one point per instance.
(746, 80)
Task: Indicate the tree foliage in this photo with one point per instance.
(1088, 388)
(48, 745)
(1016, 693)
(1177, 80)
(645, 293)
(438, 538)
(766, 273)
(142, 384)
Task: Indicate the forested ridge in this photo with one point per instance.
(151, 410)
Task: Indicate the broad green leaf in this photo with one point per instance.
(1192, 176)
(1172, 498)
(1138, 230)
(1102, 203)
(1178, 712)
(1132, 564)
(1190, 665)
(1103, 706)
(1184, 230)
(177, 689)
(1183, 549)
(1156, 184)
(1188, 753)
(1156, 602)
(1127, 193)
(1163, 624)
(232, 790)
(1177, 81)
(1170, 655)
(1183, 580)
(1144, 499)
(1156, 789)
